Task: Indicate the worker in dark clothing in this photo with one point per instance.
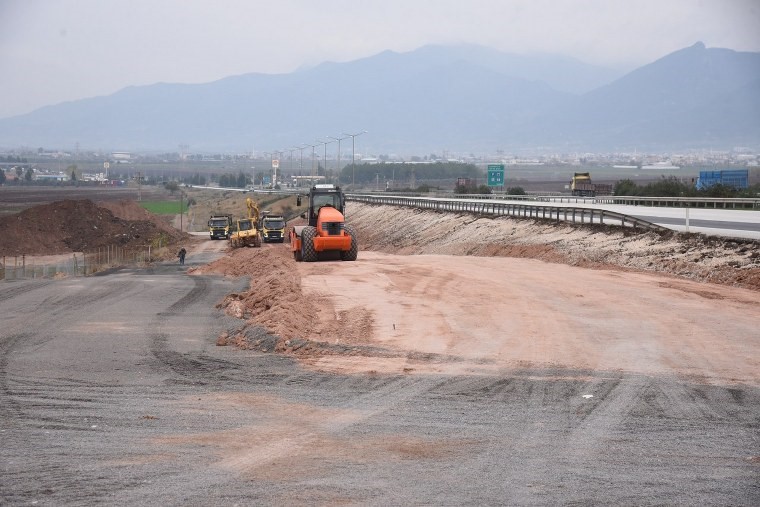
(181, 254)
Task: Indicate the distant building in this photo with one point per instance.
(51, 177)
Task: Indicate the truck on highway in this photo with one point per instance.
(582, 186)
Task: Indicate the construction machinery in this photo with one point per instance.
(582, 186)
(220, 226)
(272, 227)
(326, 230)
(246, 230)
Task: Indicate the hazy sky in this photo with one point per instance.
(57, 50)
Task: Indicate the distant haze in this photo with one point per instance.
(459, 98)
(55, 51)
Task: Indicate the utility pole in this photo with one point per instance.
(353, 156)
(339, 139)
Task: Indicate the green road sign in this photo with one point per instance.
(495, 175)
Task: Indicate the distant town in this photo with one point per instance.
(270, 168)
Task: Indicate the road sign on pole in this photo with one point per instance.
(495, 175)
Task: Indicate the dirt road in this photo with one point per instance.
(472, 314)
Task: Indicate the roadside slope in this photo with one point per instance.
(407, 231)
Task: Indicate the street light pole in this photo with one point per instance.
(339, 139)
(291, 150)
(300, 163)
(312, 161)
(353, 155)
(325, 143)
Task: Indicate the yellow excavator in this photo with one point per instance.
(246, 230)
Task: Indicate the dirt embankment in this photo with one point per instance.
(692, 256)
(81, 226)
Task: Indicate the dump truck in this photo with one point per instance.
(582, 186)
(246, 230)
(326, 231)
(219, 226)
(272, 227)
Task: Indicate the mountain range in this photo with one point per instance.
(456, 98)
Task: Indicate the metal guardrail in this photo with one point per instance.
(573, 214)
(676, 202)
(681, 202)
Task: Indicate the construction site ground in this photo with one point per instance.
(460, 359)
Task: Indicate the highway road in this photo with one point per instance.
(717, 222)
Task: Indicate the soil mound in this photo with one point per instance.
(79, 226)
(274, 300)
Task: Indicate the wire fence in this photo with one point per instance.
(78, 264)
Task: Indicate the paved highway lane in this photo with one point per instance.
(732, 223)
(719, 222)
(113, 391)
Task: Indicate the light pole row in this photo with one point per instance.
(313, 147)
(353, 155)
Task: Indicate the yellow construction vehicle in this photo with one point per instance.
(219, 226)
(272, 227)
(245, 230)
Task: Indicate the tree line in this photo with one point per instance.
(673, 187)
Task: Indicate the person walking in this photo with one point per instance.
(181, 254)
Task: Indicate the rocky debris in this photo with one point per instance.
(79, 226)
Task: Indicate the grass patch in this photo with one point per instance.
(164, 207)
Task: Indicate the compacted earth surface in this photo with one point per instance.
(520, 290)
(460, 359)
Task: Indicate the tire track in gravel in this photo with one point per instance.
(8, 291)
(200, 288)
(10, 411)
(194, 367)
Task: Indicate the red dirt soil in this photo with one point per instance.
(81, 226)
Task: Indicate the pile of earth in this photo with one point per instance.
(82, 226)
(275, 314)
